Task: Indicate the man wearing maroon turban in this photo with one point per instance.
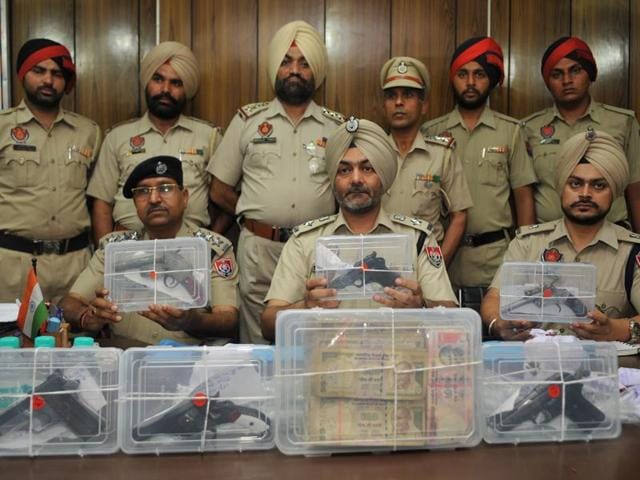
(494, 159)
(45, 155)
(568, 69)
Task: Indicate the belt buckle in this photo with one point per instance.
(47, 246)
(469, 241)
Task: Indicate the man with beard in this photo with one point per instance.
(45, 154)
(568, 68)
(430, 183)
(362, 166)
(270, 168)
(590, 173)
(169, 74)
(495, 162)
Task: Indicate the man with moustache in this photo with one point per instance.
(568, 69)
(362, 166)
(170, 76)
(495, 161)
(46, 153)
(270, 168)
(590, 173)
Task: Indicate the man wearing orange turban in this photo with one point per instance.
(170, 75)
(270, 169)
(568, 69)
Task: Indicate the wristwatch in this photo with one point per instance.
(634, 330)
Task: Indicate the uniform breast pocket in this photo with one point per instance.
(544, 164)
(194, 169)
(493, 170)
(263, 159)
(76, 166)
(426, 200)
(20, 168)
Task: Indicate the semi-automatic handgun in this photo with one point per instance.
(49, 404)
(550, 294)
(545, 402)
(368, 270)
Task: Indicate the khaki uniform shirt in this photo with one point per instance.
(495, 161)
(297, 261)
(224, 283)
(546, 131)
(44, 173)
(191, 140)
(429, 183)
(609, 252)
(279, 167)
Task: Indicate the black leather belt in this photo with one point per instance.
(484, 238)
(40, 247)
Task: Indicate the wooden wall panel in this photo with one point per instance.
(176, 18)
(51, 19)
(426, 30)
(605, 27)
(471, 19)
(534, 25)
(273, 14)
(358, 39)
(147, 40)
(634, 56)
(107, 60)
(500, 30)
(225, 42)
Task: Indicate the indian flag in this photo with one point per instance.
(33, 313)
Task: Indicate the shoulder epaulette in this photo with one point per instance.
(119, 124)
(525, 120)
(312, 224)
(218, 243)
(625, 235)
(8, 111)
(251, 109)
(335, 116)
(413, 222)
(120, 236)
(536, 228)
(448, 142)
(506, 118)
(623, 111)
(201, 120)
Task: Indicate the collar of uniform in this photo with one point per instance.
(606, 234)
(25, 115)
(145, 124)
(383, 219)
(183, 232)
(312, 110)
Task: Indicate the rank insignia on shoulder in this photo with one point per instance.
(335, 116)
(224, 267)
(251, 109)
(444, 140)
(434, 255)
(551, 255)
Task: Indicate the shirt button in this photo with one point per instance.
(53, 161)
(164, 141)
(53, 188)
(295, 154)
(293, 205)
(53, 218)
(293, 179)
(295, 130)
(49, 135)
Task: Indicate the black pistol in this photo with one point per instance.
(549, 294)
(50, 405)
(368, 269)
(544, 403)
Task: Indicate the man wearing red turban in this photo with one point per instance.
(568, 69)
(494, 159)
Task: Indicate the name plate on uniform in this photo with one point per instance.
(264, 140)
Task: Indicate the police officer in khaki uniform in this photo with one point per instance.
(45, 155)
(362, 166)
(274, 154)
(156, 186)
(170, 75)
(495, 162)
(430, 183)
(568, 68)
(591, 172)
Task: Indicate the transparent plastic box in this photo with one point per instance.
(547, 291)
(550, 391)
(58, 401)
(174, 272)
(359, 266)
(377, 380)
(196, 399)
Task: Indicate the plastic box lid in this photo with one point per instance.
(174, 272)
(58, 401)
(360, 266)
(196, 399)
(547, 291)
(377, 380)
(550, 391)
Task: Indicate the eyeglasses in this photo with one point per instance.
(164, 190)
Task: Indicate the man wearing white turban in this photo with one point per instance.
(170, 75)
(270, 168)
(591, 172)
(362, 166)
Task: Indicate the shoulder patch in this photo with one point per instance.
(623, 111)
(535, 228)
(447, 142)
(312, 224)
(335, 116)
(119, 236)
(413, 222)
(251, 109)
(219, 244)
